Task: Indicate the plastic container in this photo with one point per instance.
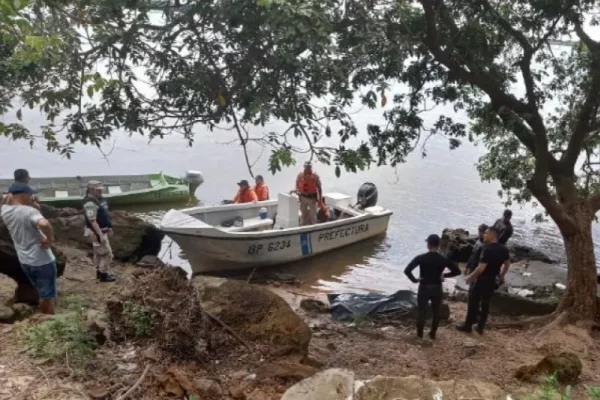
(262, 213)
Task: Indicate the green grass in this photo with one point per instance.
(62, 338)
(138, 319)
(73, 302)
(594, 392)
(550, 390)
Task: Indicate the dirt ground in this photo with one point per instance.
(366, 349)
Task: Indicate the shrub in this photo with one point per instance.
(138, 319)
(63, 337)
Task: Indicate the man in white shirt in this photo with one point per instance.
(32, 235)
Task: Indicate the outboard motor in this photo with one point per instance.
(194, 179)
(367, 195)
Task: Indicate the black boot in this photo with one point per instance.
(97, 274)
(465, 328)
(432, 335)
(105, 277)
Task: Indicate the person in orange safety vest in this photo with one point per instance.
(323, 213)
(308, 186)
(261, 190)
(246, 194)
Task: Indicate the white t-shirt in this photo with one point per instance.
(21, 222)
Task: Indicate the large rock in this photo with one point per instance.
(336, 384)
(519, 252)
(567, 367)
(457, 245)
(333, 384)
(416, 388)
(133, 237)
(256, 314)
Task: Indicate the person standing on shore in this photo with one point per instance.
(261, 190)
(32, 235)
(308, 186)
(21, 176)
(477, 249)
(487, 277)
(431, 275)
(504, 226)
(98, 227)
(476, 256)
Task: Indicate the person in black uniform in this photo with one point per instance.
(431, 275)
(473, 261)
(505, 227)
(487, 277)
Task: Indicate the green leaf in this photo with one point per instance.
(338, 171)
(90, 91)
(20, 114)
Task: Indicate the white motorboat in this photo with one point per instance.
(212, 243)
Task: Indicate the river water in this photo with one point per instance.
(425, 194)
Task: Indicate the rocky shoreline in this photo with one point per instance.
(217, 338)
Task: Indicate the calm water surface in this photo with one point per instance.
(425, 194)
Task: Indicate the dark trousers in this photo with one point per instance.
(426, 294)
(480, 297)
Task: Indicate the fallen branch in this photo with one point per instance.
(136, 384)
(227, 328)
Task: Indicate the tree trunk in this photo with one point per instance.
(579, 302)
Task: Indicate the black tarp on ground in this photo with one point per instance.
(347, 305)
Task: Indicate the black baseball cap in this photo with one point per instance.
(433, 240)
(259, 177)
(21, 188)
(243, 182)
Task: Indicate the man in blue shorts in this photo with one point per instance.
(32, 235)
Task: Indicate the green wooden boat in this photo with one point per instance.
(119, 190)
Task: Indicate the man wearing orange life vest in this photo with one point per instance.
(308, 186)
(261, 190)
(246, 194)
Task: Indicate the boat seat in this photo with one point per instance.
(250, 224)
(61, 194)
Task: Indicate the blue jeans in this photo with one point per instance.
(43, 278)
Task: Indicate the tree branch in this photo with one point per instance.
(475, 76)
(591, 44)
(585, 118)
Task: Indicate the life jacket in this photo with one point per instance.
(262, 192)
(307, 184)
(245, 196)
(102, 216)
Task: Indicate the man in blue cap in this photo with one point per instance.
(32, 235)
(431, 275)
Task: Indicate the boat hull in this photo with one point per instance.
(168, 194)
(213, 254)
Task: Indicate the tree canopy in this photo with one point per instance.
(169, 67)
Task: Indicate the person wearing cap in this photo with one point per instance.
(504, 226)
(98, 227)
(32, 235)
(245, 193)
(473, 261)
(21, 176)
(261, 190)
(431, 275)
(308, 186)
(487, 277)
